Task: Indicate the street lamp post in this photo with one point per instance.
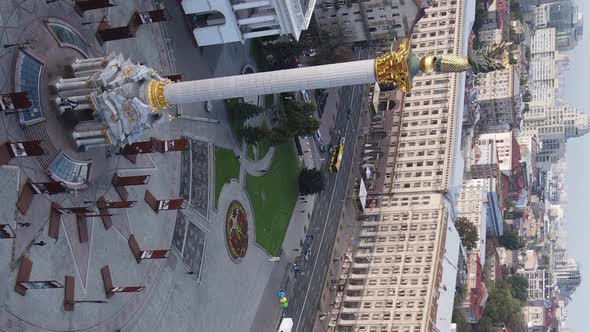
(26, 42)
(93, 22)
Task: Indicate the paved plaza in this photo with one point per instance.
(219, 294)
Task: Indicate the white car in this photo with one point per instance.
(305, 96)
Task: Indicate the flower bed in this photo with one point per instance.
(236, 231)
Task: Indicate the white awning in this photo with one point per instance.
(363, 193)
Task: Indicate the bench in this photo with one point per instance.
(24, 273)
(54, 221)
(69, 294)
(107, 281)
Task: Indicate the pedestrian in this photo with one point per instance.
(24, 224)
(295, 249)
(40, 243)
(190, 272)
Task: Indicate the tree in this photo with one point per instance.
(254, 135)
(511, 240)
(298, 119)
(242, 111)
(460, 319)
(467, 232)
(515, 214)
(278, 136)
(280, 55)
(519, 285)
(527, 97)
(486, 325)
(311, 181)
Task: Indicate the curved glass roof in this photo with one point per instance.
(29, 74)
(68, 170)
(67, 36)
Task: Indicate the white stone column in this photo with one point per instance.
(79, 107)
(61, 86)
(95, 145)
(83, 134)
(76, 99)
(90, 142)
(86, 73)
(90, 60)
(86, 66)
(252, 4)
(326, 76)
(74, 79)
(257, 19)
(270, 24)
(262, 33)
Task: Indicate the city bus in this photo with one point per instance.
(336, 158)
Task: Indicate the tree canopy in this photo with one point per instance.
(281, 55)
(518, 287)
(243, 111)
(502, 308)
(254, 135)
(467, 232)
(298, 119)
(311, 181)
(511, 240)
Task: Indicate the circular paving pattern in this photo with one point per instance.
(236, 231)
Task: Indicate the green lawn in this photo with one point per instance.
(273, 198)
(235, 122)
(227, 167)
(251, 155)
(263, 147)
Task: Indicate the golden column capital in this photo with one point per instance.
(392, 67)
(155, 95)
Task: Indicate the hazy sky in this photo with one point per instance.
(577, 92)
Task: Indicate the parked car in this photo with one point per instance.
(318, 135)
(305, 96)
(307, 247)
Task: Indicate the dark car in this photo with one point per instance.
(307, 247)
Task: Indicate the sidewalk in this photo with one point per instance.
(282, 275)
(329, 116)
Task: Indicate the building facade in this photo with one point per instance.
(539, 284)
(534, 317)
(226, 21)
(370, 20)
(504, 143)
(397, 267)
(471, 205)
(552, 127)
(499, 99)
(396, 279)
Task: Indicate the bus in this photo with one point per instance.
(336, 158)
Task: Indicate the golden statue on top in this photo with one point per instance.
(401, 66)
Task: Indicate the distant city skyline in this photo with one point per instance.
(578, 180)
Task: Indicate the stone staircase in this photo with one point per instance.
(39, 132)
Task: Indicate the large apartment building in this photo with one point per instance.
(396, 276)
(553, 126)
(397, 267)
(345, 21)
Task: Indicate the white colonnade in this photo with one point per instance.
(339, 74)
(256, 26)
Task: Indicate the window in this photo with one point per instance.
(29, 69)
